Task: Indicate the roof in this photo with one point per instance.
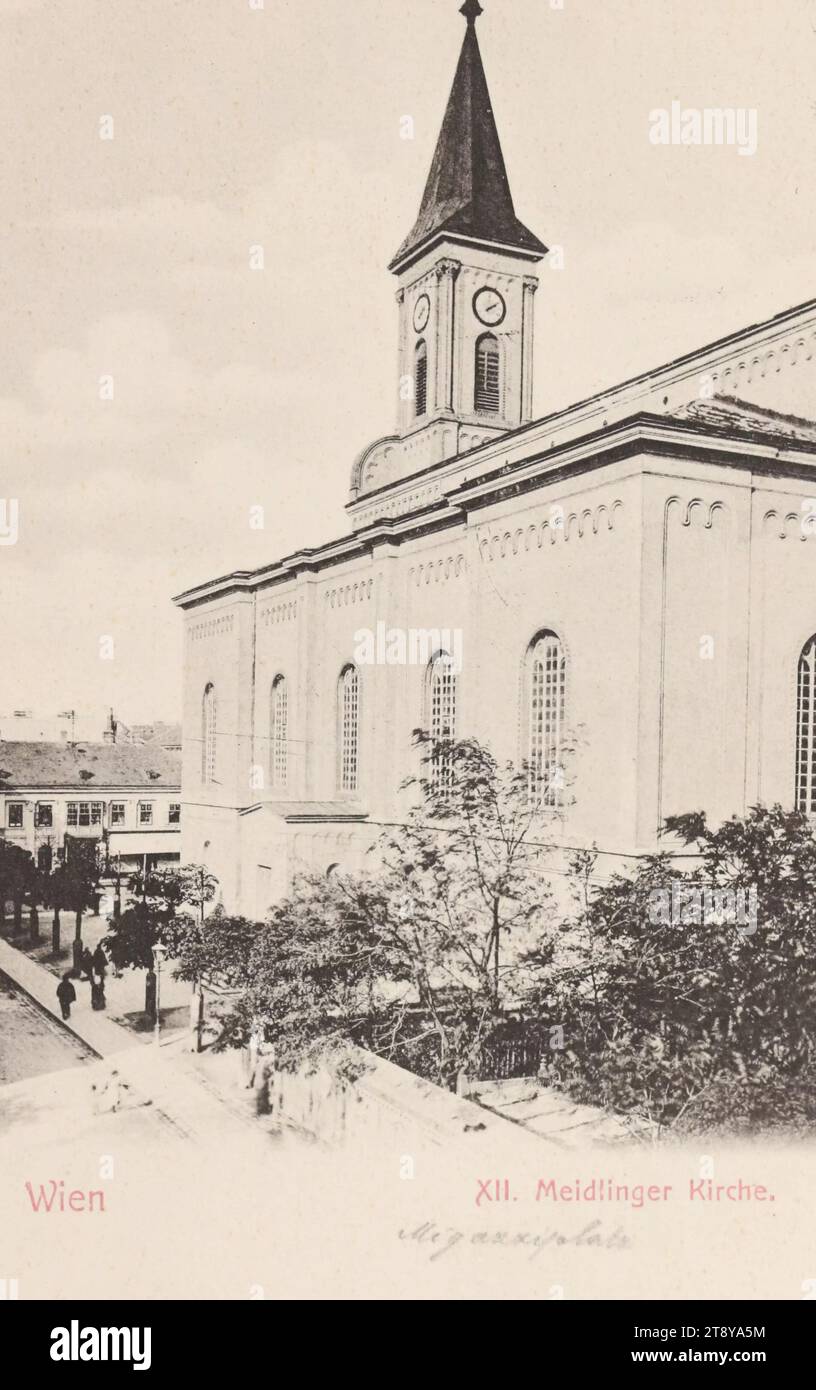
(468, 192)
(772, 435)
(160, 732)
(310, 810)
(110, 765)
(730, 415)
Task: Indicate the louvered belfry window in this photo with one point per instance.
(279, 715)
(442, 681)
(421, 382)
(208, 735)
(349, 721)
(488, 393)
(806, 729)
(547, 711)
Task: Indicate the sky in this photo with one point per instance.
(154, 387)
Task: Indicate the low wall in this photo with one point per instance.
(384, 1102)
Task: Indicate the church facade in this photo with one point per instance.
(635, 575)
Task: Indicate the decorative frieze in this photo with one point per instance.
(348, 594)
(212, 627)
(559, 525)
(696, 512)
(733, 377)
(438, 571)
(279, 613)
(795, 526)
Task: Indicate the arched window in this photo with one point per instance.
(278, 746)
(421, 378)
(488, 389)
(348, 719)
(208, 734)
(442, 722)
(806, 729)
(546, 697)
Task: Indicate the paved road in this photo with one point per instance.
(32, 1044)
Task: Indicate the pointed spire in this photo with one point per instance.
(468, 193)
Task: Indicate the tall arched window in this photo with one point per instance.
(208, 734)
(442, 721)
(546, 714)
(421, 378)
(348, 719)
(806, 729)
(278, 746)
(488, 386)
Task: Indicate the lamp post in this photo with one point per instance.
(159, 954)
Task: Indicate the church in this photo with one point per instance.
(635, 574)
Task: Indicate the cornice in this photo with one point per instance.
(772, 344)
(640, 433)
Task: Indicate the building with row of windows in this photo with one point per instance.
(631, 578)
(126, 797)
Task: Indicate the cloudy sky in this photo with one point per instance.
(280, 127)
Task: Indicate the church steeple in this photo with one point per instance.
(466, 288)
(468, 193)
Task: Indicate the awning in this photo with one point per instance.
(135, 842)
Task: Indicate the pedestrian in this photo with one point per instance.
(250, 1057)
(114, 1091)
(66, 995)
(98, 994)
(87, 965)
(262, 1082)
(100, 962)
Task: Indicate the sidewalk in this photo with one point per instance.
(124, 996)
(102, 1035)
(200, 1097)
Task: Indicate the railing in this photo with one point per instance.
(515, 1050)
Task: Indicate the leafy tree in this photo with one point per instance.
(423, 957)
(167, 907)
(56, 895)
(79, 883)
(675, 997)
(216, 950)
(16, 879)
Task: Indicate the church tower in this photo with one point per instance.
(465, 273)
(466, 287)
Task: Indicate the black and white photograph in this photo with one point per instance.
(408, 662)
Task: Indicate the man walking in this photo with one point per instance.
(66, 995)
(100, 962)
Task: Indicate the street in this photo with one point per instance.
(32, 1044)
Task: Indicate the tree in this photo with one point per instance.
(16, 879)
(193, 888)
(36, 895)
(686, 997)
(131, 938)
(215, 949)
(56, 894)
(79, 886)
(423, 957)
(169, 905)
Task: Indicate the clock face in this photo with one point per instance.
(489, 307)
(422, 312)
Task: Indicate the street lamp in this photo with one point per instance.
(159, 954)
